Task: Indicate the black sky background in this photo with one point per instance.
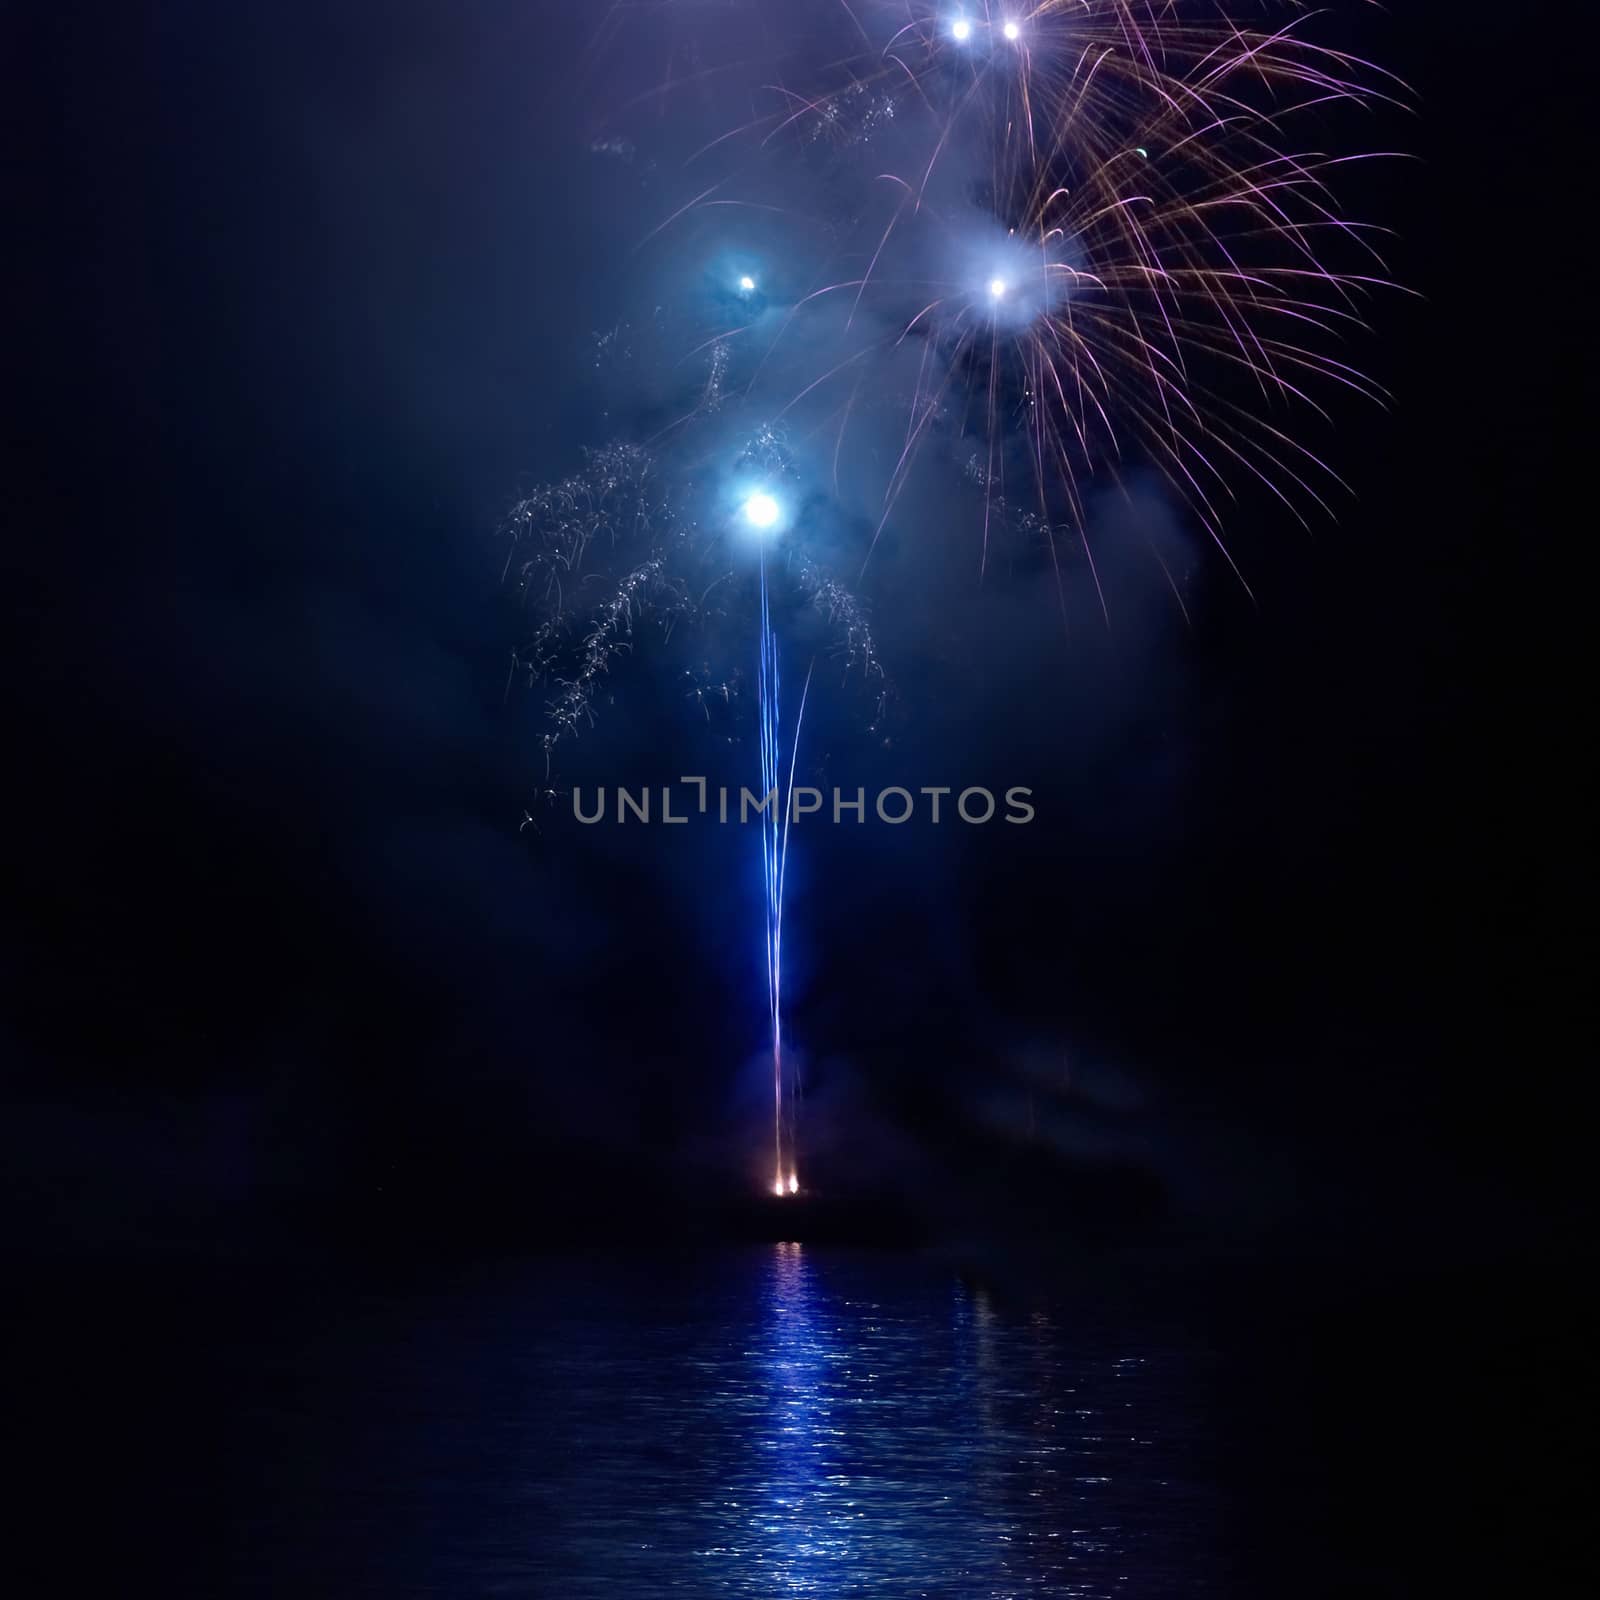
(302, 294)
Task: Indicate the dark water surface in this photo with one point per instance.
(788, 1420)
(784, 1420)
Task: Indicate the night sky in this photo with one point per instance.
(303, 295)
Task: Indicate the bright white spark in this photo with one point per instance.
(761, 510)
(961, 30)
(1012, 32)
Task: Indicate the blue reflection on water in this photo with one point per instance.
(932, 1447)
(786, 1421)
(800, 1530)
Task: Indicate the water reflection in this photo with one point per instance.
(915, 1441)
(790, 1421)
(801, 1529)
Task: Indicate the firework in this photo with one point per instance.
(775, 817)
(1075, 238)
(1065, 240)
(563, 544)
(622, 550)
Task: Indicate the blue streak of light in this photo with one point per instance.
(774, 859)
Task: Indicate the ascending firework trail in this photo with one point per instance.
(775, 813)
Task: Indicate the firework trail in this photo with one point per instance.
(621, 554)
(774, 859)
